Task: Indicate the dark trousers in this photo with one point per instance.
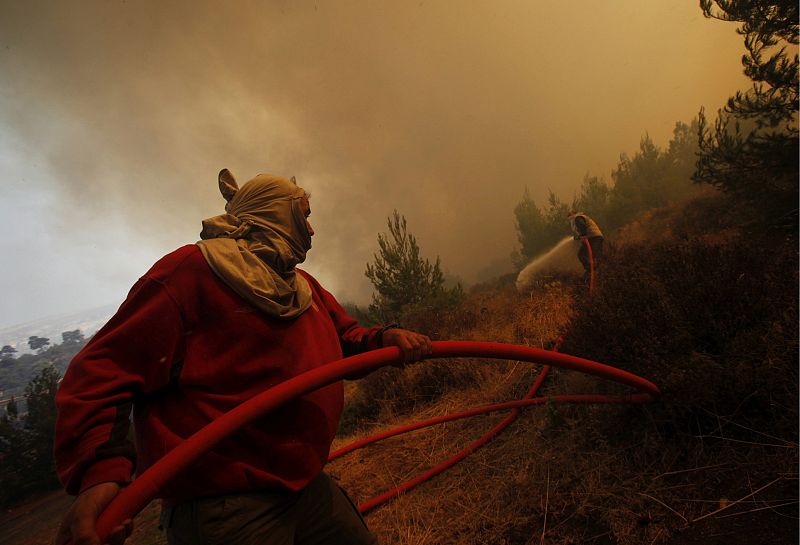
(320, 514)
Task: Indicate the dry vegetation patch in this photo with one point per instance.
(708, 312)
(705, 310)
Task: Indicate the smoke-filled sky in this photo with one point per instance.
(116, 116)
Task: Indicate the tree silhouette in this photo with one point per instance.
(72, 337)
(751, 150)
(11, 408)
(649, 179)
(40, 422)
(26, 445)
(7, 352)
(38, 343)
(400, 276)
(530, 223)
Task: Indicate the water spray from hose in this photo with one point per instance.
(560, 259)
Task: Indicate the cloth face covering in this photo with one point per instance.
(256, 245)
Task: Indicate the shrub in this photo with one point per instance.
(713, 325)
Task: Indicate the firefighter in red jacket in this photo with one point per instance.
(209, 326)
(585, 229)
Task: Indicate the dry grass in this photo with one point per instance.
(701, 466)
(714, 462)
(489, 313)
(469, 503)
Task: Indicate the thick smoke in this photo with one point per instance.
(122, 113)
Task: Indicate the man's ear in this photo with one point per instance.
(227, 184)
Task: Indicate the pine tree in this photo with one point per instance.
(593, 198)
(7, 352)
(15, 456)
(751, 150)
(400, 276)
(74, 337)
(38, 343)
(40, 423)
(530, 223)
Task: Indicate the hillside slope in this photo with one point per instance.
(685, 298)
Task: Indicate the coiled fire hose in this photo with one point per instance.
(146, 486)
(527, 400)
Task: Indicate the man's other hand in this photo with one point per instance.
(414, 346)
(78, 525)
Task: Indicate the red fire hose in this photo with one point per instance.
(453, 460)
(518, 404)
(489, 435)
(591, 265)
(146, 486)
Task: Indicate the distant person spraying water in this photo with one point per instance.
(559, 260)
(584, 228)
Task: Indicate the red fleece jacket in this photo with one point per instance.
(184, 349)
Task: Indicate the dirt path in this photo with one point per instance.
(36, 521)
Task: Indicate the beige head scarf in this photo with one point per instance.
(256, 245)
